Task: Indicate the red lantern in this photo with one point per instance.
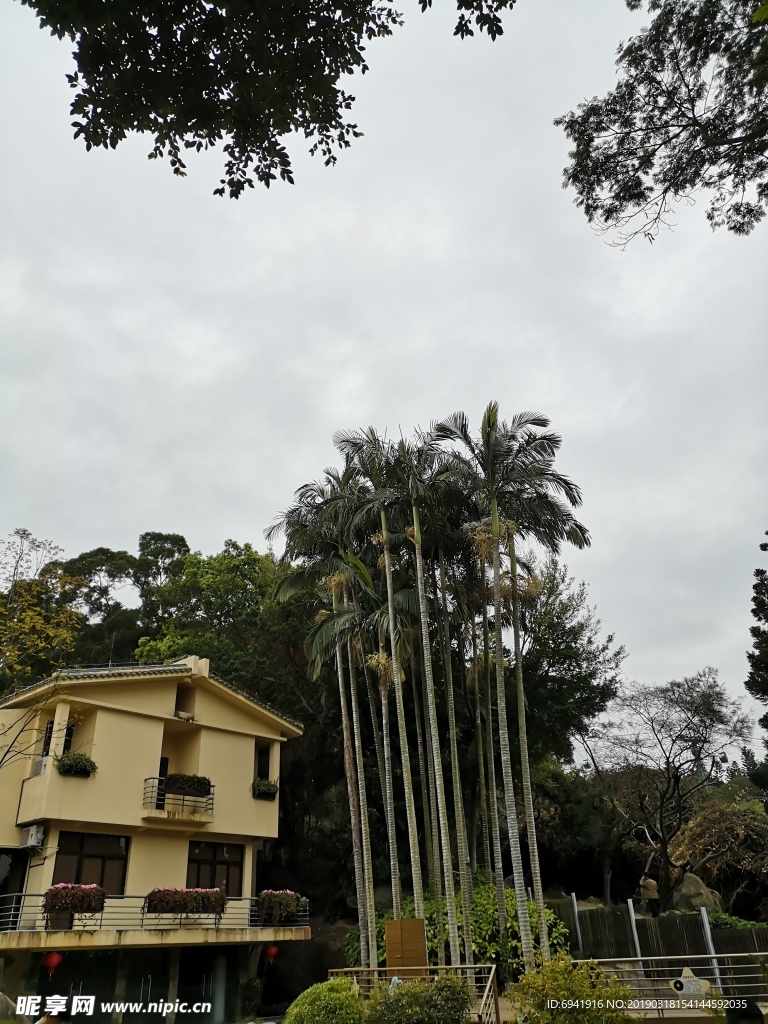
(271, 952)
(51, 961)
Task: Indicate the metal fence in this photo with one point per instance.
(176, 804)
(24, 912)
(656, 978)
(481, 979)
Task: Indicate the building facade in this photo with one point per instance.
(184, 792)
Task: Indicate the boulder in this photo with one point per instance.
(691, 894)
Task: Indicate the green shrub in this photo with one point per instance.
(566, 983)
(729, 921)
(179, 784)
(278, 905)
(330, 1002)
(486, 942)
(446, 1000)
(75, 764)
(264, 789)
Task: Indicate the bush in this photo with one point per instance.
(179, 784)
(68, 898)
(75, 764)
(486, 942)
(330, 1002)
(561, 980)
(729, 921)
(185, 901)
(264, 789)
(446, 1000)
(277, 905)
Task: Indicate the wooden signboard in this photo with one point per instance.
(406, 942)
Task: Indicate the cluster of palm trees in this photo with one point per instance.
(396, 548)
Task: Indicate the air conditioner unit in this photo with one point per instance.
(185, 716)
(33, 837)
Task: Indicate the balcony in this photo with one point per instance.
(124, 922)
(175, 807)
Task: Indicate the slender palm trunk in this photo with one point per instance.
(410, 806)
(394, 867)
(370, 904)
(437, 887)
(465, 875)
(354, 807)
(442, 808)
(423, 775)
(501, 903)
(375, 724)
(530, 820)
(481, 758)
(510, 805)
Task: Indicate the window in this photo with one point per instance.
(88, 859)
(49, 736)
(216, 866)
(262, 761)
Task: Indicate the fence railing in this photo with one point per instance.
(481, 979)
(730, 975)
(23, 912)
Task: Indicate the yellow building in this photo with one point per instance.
(185, 791)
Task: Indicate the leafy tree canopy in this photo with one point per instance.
(192, 74)
(37, 622)
(690, 112)
(757, 680)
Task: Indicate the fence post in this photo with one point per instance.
(575, 906)
(633, 925)
(711, 948)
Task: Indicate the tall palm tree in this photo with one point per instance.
(417, 468)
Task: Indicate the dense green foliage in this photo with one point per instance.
(688, 113)
(331, 1002)
(489, 948)
(445, 1000)
(191, 75)
(757, 681)
(579, 991)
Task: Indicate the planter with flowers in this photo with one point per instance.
(79, 765)
(185, 901)
(264, 789)
(187, 785)
(67, 898)
(278, 905)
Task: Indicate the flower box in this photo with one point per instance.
(78, 765)
(68, 898)
(264, 789)
(278, 905)
(187, 785)
(185, 901)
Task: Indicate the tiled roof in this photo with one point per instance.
(126, 671)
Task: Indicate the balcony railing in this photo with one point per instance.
(174, 805)
(23, 912)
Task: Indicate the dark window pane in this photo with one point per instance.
(234, 880)
(114, 877)
(192, 876)
(70, 842)
(113, 846)
(201, 851)
(91, 871)
(204, 876)
(220, 878)
(262, 763)
(65, 869)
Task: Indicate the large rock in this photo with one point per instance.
(692, 895)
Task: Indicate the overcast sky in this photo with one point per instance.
(175, 361)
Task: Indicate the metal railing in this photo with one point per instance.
(176, 805)
(23, 912)
(730, 976)
(481, 979)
